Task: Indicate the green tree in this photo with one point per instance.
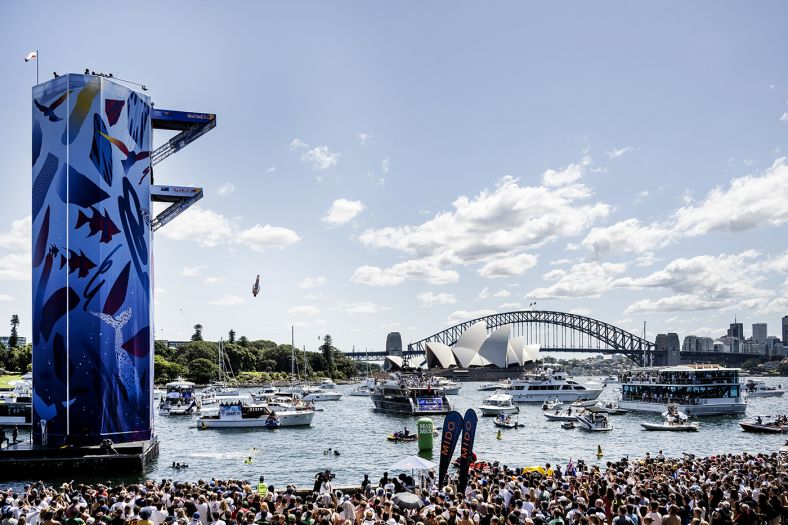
(231, 336)
(13, 339)
(202, 371)
(21, 358)
(165, 371)
(243, 341)
(327, 350)
(197, 335)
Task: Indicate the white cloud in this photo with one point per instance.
(226, 189)
(364, 138)
(502, 293)
(205, 227)
(508, 266)
(228, 300)
(616, 153)
(15, 267)
(6, 298)
(466, 315)
(192, 271)
(159, 291)
(342, 211)
(486, 294)
(297, 144)
(312, 282)
(581, 311)
(365, 307)
(428, 269)
(588, 279)
(18, 236)
(213, 280)
(674, 303)
(498, 224)
(320, 158)
(304, 310)
(749, 202)
(511, 306)
(568, 175)
(431, 299)
(260, 238)
(784, 117)
(384, 165)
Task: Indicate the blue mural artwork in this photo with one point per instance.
(92, 334)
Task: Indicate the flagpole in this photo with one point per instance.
(37, 59)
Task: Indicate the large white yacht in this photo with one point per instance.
(697, 390)
(241, 415)
(409, 395)
(550, 384)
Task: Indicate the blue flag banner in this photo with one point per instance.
(466, 449)
(452, 428)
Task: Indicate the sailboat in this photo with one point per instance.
(225, 388)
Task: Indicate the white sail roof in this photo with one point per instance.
(467, 357)
(531, 352)
(473, 337)
(495, 347)
(516, 353)
(439, 355)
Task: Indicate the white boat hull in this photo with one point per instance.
(565, 396)
(360, 393)
(299, 419)
(765, 393)
(709, 409)
(670, 428)
(592, 428)
(497, 411)
(560, 417)
(323, 396)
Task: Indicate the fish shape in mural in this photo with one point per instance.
(117, 294)
(58, 304)
(138, 113)
(40, 248)
(81, 108)
(80, 263)
(79, 189)
(131, 156)
(38, 139)
(100, 151)
(49, 111)
(98, 223)
(127, 372)
(42, 183)
(113, 108)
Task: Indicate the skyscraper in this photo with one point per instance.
(759, 335)
(785, 330)
(736, 330)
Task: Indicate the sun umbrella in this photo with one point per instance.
(413, 463)
(407, 500)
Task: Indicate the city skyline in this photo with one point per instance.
(382, 172)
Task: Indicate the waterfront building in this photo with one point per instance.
(736, 330)
(759, 336)
(785, 330)
(733, 344)
(694, 343)
(669, 346)
(749, 347)
(475, 348)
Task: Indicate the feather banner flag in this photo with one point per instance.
(30, 56)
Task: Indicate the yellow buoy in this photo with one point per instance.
(248, 460)
(498, 434)
(599, 453)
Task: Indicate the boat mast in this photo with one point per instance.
(292, 351)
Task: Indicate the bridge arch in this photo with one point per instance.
(555, 331)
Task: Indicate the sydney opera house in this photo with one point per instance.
(475, 348)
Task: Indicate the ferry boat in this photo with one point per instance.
(498, 404)
(241, 415)
(697, 390)
(755, 388)
(550, 384)
(409, 396)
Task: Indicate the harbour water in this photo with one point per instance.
(350, 426)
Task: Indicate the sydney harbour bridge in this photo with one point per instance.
(562, 332)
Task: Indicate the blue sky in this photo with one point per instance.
(405, 165)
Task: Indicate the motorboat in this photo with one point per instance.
(179, 399)
(698, 389)
(361, 390)
(611, 409)
(318, 394)
(168, 408)
(550, 384)
(450, 388)
(558, 415)
(503, 384)
(551, 404)
(594, 422)
(327, 384)
(237, 414)
(402, 436)
(408, 394)
(507, 422)
(765, 425)
(568, 425)
(755, 388)
(498, 404)
(675, 421)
